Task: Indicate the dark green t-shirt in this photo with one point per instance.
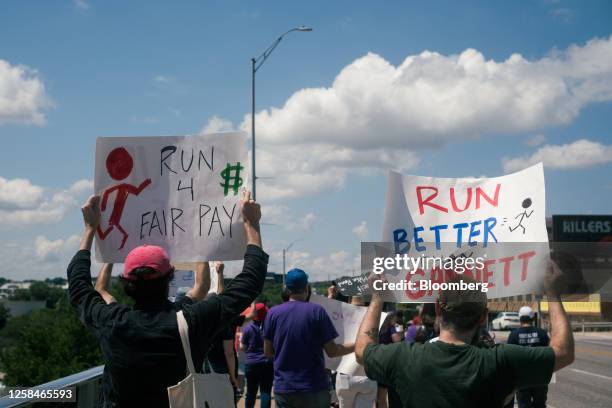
(445, 375)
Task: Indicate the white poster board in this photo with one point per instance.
(181, 192)
(501, 219)
(346, 319)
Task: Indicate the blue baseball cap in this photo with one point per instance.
(296, 279)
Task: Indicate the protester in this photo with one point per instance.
(295, 334)
(425, 332)
(141, 344)
(412, 328)
(259, 371)
(355, 391)
(389, 330)
(388, 335)
(221, 357)
(530, 336)
(454, 373)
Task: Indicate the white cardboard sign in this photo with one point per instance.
(181, 192)
(502, 219)
(346, 319)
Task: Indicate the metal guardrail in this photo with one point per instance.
(591, 325)
(86, 382)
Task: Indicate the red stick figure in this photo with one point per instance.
(119, 165)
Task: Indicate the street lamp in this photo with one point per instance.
(256, 63)
(284, 253)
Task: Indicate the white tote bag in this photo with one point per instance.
(199, 390)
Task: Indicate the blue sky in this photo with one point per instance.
(83, 69)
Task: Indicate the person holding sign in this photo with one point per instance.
(141, 344)
(452, 372)
(529, 335)
(295, 334)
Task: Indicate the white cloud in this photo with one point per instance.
(536, 140)
(217, 124)
(579, 154)
(282, 216)
(19, 194)
(321, 135)
(307, 221)
(39, 258)
(322, 267)
(48, 250)
(361, 230)
(22, 95)
(39, 209)
(82, 5)
(163, 79)
(82, 186)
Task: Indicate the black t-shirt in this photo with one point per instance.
(141, 344)
(529, 336)
(216, 355)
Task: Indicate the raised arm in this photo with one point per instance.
(91, 307)
(219, 268)
(562, 337)
(202, 282)
(368, 330)
(245, 287)
(102, 283)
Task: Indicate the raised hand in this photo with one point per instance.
(91, 212)
(251, 211)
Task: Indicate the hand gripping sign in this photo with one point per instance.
(179, 192)
(499, 223)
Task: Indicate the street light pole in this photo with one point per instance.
(256, 63)
(284, 255)
(253, 71)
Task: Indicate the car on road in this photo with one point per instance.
(506, 321)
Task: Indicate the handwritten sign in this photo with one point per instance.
(180, 192)
(353, 285)
(500, 221)
(346, 319)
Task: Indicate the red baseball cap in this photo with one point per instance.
(260, 312)
(149, 256)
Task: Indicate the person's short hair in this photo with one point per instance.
(461, 310)
(147, 290)
(298, 290)
(526, 319)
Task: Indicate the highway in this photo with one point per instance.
(588, 381)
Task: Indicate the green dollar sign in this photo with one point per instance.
(231, 178)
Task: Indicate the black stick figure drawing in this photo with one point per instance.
(523, 215)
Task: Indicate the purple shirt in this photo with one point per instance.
(411, 333)
(252, 338)
(298, 331)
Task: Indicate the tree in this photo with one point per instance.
(20, 294)
(39, 291)
(56, 281)
(4, 315)
(45, 345)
